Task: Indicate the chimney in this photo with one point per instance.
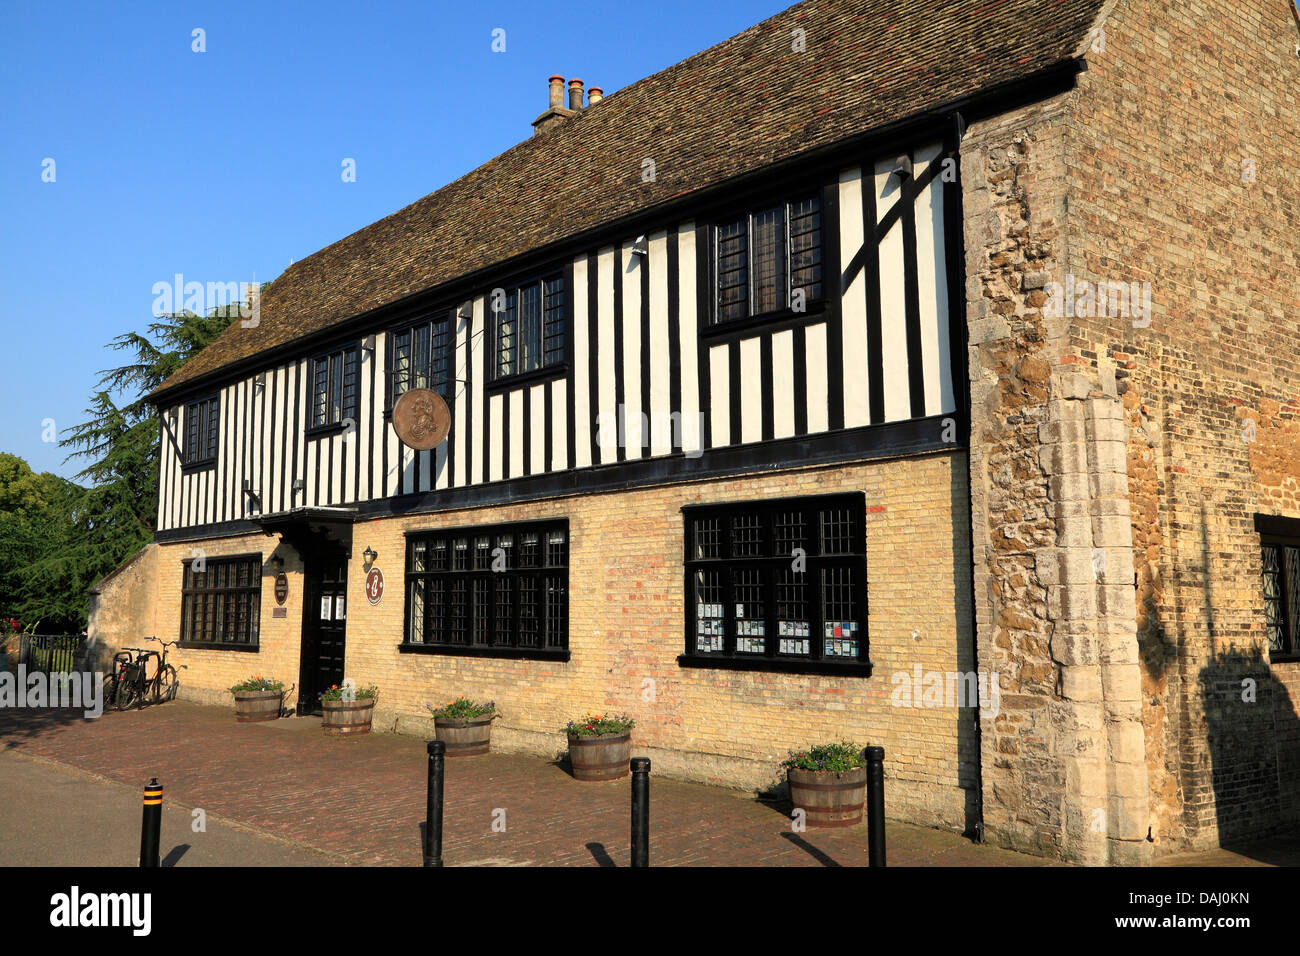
(575, 95)
(556, 113)
(595, 95)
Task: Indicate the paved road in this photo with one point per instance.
(58, 816)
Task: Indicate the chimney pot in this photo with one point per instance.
(557, 91)
(595, 95)
(575, 95)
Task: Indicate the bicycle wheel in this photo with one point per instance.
(128, 694)
(109, 692)
(165, 685)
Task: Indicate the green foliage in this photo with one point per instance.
(257, 684)
(599, 725)
(362, 693)
(462, 708)
(42, 572)
(834, 757)
(58, 538)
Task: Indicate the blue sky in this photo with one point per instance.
(225, 165)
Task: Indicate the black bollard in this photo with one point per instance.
(433, 811)
(151, 824)
(640, 811)
(875, 806)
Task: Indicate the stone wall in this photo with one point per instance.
(1064, 764)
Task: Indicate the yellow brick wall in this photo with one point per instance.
(626, 625)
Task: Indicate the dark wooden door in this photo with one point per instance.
(324, 628)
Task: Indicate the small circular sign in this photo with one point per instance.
(375, 586)
(281, 588)
(421, 419)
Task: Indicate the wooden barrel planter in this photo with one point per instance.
(464, 738)
(347, 718)
(255, 705)
(600, 758)
(829, 799)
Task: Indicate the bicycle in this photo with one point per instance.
(119, 675)
(135, 687)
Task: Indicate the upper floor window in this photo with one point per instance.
(768, 260)
(334, 387)
(202, 424)
(420, 356)
(528, 321)
(778, 582)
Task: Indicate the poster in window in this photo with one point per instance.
(326, 604)
(340, 606)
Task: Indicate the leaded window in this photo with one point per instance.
(1281, 572)
(768, 260)
(335, 380)
(781, 580)
(221, 602)
(502, 587)
(422, 356)
(202, 430)
(529, 326)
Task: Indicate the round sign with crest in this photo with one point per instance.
(421, 419)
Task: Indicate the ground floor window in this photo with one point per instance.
(777, 583)
(500, 589)
(221, 601)
(1281, 572)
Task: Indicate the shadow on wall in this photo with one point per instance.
(1253, 737)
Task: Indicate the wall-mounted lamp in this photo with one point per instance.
(260, 381)
(369, 554)
(277, 562)
(368, 343)
(641, 247)
(903, 167)
(299, 484)
(466, 311)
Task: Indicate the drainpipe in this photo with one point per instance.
(956, 252)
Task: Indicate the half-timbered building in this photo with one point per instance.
(761, 428)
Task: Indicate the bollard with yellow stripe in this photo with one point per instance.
(151, 823)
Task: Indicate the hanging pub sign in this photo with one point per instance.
(421, 419)
(375, 586)
(281, 588)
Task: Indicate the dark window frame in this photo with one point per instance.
(205, 413)
(557, 326)
(190, 609)
(742, 527)
(1283, 536)
(347, 354)
(462, 580)
(814, 303)
(428, 376)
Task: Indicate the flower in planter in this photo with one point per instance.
(834, 757)
(599, 725)
(257, 684)
(462, 708)
(361, 693)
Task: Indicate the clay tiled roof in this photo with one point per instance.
(745, 103)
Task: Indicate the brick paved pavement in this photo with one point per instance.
(362, 800)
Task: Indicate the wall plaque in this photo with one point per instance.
(375, 586)
(281, 588)
(421, 419)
